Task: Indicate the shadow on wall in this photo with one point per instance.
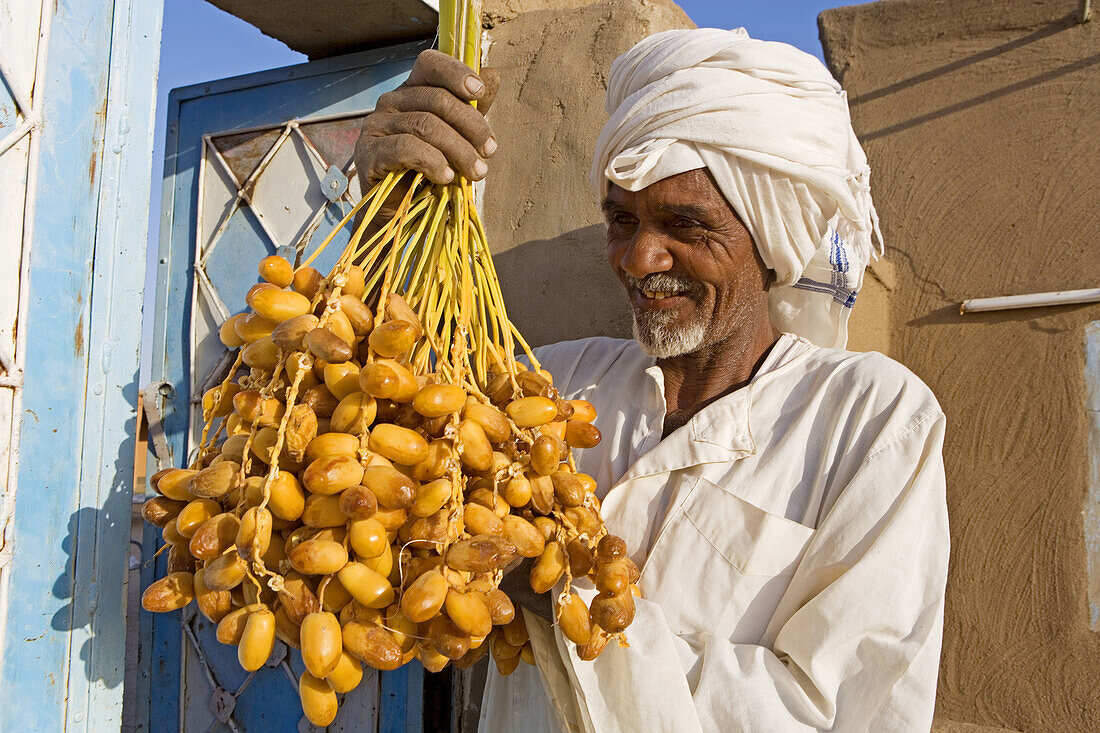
(97, 615)
(561, 288)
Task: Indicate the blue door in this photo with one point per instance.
(254, 165)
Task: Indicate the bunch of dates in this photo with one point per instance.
(364, 511)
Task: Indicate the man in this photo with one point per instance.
(784, 498)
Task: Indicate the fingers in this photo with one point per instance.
(491, 77)
(460, 154)
(428, 124)
(437, 69)
(459, 115)
(378, 155)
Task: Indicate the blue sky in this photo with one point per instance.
(202, 43)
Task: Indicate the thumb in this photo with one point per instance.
(491, 78)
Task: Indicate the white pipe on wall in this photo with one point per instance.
(1031, 300)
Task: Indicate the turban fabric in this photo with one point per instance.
(772, 126)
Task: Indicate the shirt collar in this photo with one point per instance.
(720, 432)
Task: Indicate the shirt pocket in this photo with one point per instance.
(722, 564)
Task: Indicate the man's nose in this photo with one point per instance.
(646, 254)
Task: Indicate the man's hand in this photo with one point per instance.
(517, 585)
(428, 125)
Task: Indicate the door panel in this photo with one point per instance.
(254, 165)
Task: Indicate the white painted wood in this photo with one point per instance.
(19, 26)
(1030, 300)
(24, 35)
(91, 120)
(113, 343)
(288, 192)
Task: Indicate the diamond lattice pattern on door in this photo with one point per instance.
(261, 192)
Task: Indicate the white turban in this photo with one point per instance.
(772, 126)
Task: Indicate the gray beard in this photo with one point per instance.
(655, 332)
(661, 337)
(664, 340)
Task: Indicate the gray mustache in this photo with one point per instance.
(661, 282)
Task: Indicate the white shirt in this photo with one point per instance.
(793, 543)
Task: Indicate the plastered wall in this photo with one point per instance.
(982, 124)
(545, 228)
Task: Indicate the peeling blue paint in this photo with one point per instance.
(64, 671)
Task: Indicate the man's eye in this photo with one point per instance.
(682, 222)
(622, 219)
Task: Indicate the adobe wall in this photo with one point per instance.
(982, 124)
(545, 227)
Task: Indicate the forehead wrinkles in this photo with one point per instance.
(694, 194)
